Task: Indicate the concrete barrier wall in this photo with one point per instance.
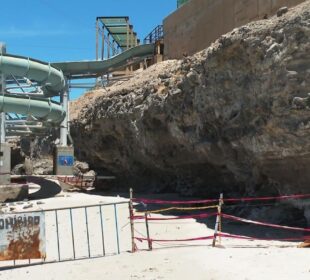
(198, 23)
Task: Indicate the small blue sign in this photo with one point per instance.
(65, 160)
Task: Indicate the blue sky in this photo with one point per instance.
(64, 30)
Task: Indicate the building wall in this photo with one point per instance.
(198, 23)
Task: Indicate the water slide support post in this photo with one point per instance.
(63, 154)
(97, 39)
(3, 85)
(102, 44)
(5, 149)
(64, 124)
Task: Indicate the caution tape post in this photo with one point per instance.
(149, 241)
(218, 226)
(133, 244)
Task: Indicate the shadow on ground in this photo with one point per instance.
(47, 189)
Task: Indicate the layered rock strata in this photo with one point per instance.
(234, 118)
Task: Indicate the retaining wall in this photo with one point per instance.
(198, 23)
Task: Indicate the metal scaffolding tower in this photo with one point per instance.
(116, 35)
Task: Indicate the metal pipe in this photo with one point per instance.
(102, 46)
(218, 219)
(102, 230)
(20, 121)
(3, 85)
(131, 216)
(116, 229)
(109, 46)
(26, 94)
(19, 87)
(87, 232)
(72, 234)
(57, 233)
(64, 124)
(14, 126)
(24, 133)
(97, 39)
(127, 37)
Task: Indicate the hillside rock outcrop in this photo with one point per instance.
(234, 118)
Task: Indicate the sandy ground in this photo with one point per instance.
(235, 259)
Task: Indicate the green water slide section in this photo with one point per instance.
(89, 68)
(43, 109)
(51, 78)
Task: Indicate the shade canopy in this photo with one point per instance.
(120, 30)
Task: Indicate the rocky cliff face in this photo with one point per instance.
(233, 118)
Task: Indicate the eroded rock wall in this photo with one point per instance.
(234, 117)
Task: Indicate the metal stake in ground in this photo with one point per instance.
(133, 245)
(147, 229)
(218, 220)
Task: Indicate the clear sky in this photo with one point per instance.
(64, 30)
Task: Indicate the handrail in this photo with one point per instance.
(155, 35)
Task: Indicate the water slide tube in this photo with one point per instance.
(51, 77)
(88, 68)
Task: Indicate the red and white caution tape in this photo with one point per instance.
(242, 199)
(263, 223)
(226, 235)
(174, 240)
(198, 216)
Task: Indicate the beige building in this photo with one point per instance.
(196, 24)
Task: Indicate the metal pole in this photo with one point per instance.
(97, 38)
(131, 38)
(72, 234)
(127, 34)
(102, 230)
(68, 108)
(57, 234)
(149, 241)
(87, 231)
(148, 231)
(109, 46)
(64, 124)
(116, 229)
(102, 46)
(133, 245)
(113, 47)
(218, 219)
(3, 85)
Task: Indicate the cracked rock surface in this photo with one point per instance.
(234, 118)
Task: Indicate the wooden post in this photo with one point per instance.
(218, 227)
(147, 229)
(133, 245)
